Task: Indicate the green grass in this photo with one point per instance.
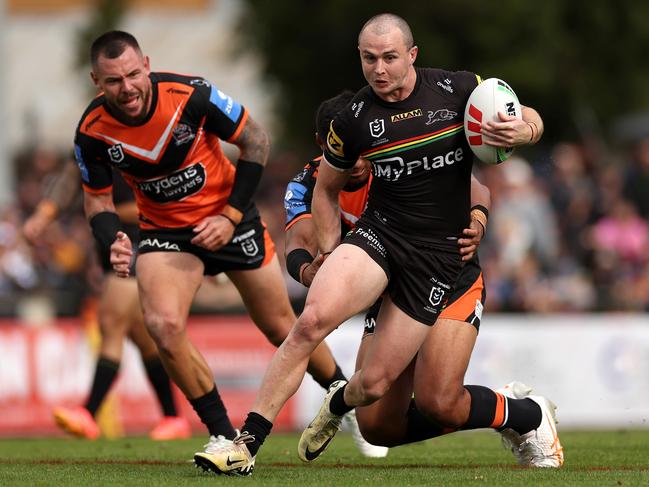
(470, 458)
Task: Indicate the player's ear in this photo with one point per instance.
(147, 65)
(413, 54)
(94, 78)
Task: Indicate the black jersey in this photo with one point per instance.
(421, 161)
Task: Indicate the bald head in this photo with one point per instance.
(382, 24)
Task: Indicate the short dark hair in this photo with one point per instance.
(382, 23)
(111, 45)
(328, 110)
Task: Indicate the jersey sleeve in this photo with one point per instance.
(225, 117)
(466, 82)
(298, 196)
(96, 172)
(341, 151)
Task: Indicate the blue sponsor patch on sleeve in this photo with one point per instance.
(225, 104)
(82, 165)
(294, 201)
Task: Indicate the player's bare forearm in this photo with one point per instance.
(480, 194)
(301, 236)
(326, 219)
(535, 122)
(98, 203)
(254, 143)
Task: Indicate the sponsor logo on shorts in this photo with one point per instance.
(175, 186)
(371, 240)
(406, 115)
(377, 127)
(393, 168)
(441, 115)
(478, 309)
(154, 243)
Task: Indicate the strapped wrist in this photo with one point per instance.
(246, 180)
(105, 226)
(295, 261)
(231, 213)
(480, 214)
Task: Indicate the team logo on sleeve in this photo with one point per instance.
(377, 127)
(199, 82)
(116, 153)
(334, 143)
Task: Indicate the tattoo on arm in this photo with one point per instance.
(254, 143)
(65, 186)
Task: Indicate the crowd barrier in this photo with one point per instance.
(594, 367)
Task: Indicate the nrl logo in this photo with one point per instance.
(436, 296)
(116, 153)
(249, 247)
(377, 127)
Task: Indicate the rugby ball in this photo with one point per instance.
(491, 96)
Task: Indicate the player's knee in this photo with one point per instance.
(374, 385)
(165, 330)
(309, 327)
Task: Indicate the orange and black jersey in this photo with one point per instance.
(173, 160)
(421, 161)
(299, 193)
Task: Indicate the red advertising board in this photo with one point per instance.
(44, 367)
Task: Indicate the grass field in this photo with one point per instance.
(470, 458)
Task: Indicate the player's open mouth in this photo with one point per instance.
(131, 102)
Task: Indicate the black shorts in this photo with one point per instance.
(250, 248)
(465, 303)
(421, 277)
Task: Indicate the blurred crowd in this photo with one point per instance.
(568, 231)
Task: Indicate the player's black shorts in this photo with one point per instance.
(465, 304)
(421, 277)
(250, 248)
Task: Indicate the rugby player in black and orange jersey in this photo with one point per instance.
(409, 123)
(196, 215)
(119, 315)
(465, 304)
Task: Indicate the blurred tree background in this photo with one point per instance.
(579, 63)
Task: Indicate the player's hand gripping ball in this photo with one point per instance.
(491, 96)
